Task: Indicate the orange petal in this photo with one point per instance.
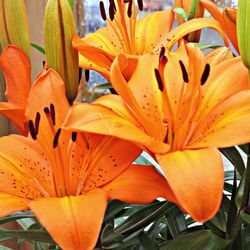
(216, 56)
(16, 115)
(139, 184)
(231, 76)
(107, 159)
(196, 178)
(141, 91)
(229, 25)
(226, 125)
(93, 56)
(190, 26)
(48, 89)
(213, 9)
(152, 28)
(100, 120)
(10, 204)
(74, 222)
(24, 168)
(16, 67)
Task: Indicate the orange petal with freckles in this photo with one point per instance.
(225, 80)
(196, 178)
(16, 68)
(101, 120)
(16, 115)
(74, 222)
(25, 170)
(139, 184)
(140, 91)
(226, 125)
(113, 157)
(152, 28)
(10, 204)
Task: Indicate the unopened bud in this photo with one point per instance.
(14, 24)
(59, 28)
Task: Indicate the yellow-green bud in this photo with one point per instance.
(243, 30)
(59, 28)
(14, 24)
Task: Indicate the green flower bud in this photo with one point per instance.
(59, 28)
(14, 24)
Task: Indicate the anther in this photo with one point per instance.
(163, 60)
(162, 53)
(140, 4)
(166, 138)
(53, 114)
(129, 12)
(159, 80)
(102, 11)
(46, 110)
(184, 72)
(32, 129)
(56, 138)
(112, 9)
(37, 122)
(87, 72)
(74, 136)
(205, 74)
(80, 74)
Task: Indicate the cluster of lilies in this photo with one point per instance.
(178, 105)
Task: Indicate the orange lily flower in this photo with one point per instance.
(226, 18)
(125, 34)
(67, 179)
(180, 109)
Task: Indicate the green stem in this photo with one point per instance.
(193, 9)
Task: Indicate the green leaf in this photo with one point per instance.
(147, 243)
(16, 216)
(181, 12)
(245, 217)
(104, 86)
(114, 207)
(233, 155)
(38, 47)
(203, 239)
(33, 235)
(244, 148)
(203, 46)
(2, 239)
(5, 248)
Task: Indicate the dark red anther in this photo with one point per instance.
(130, 5)
(140, 4)
(162, 53)
(159, 80)
(205, 74)
(53, 114)
(46, 110)
(32, 129)
(184, 72)
(87, 72)
(37, 122)
(102, 11)
(56, 138)
(74, 136)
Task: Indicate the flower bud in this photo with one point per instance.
(59, 28)
(199, 11)
(14, 24)
(243, 30)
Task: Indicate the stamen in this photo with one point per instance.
(162, 53)
(140, 4)
(32, 130)
(37, 122)
(112, 9)
(80, 74)
(87, 72)
(102, 11)
(46, 110)
(129, 12)
(56, 138)
(184, 72)
(74, 136)
(159, 80)
(53, 114)
(166, 138)
(162, 62)
(205, 74)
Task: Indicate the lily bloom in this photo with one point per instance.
(180, 108)
(226, 18)
(65, 178)
(125, 34)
